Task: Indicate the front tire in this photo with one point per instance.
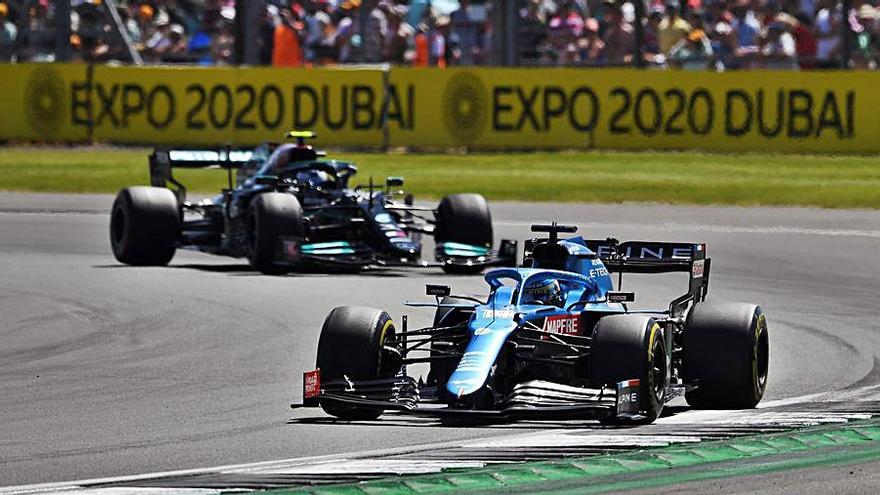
(271, 216)
(464, 218)
(144, 226)
(352, 345)
(630, 346)
(727, 353)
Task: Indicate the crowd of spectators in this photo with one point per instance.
(693, 34)
(166, 31)
(323, 32)
(703, 34)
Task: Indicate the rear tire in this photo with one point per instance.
(625, 347)
(464, 218)
(144, 225)
(271, 216)
(351, 345)
(727, 352)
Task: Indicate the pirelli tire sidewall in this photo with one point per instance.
(726, 354)
(144, 226)
(352, 345)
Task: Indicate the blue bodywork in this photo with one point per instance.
(585, 283)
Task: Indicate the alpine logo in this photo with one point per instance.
(564, 324)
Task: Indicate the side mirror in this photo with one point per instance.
(437, 290)
(620, 297)
(394, 182)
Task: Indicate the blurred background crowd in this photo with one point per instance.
(687, 34)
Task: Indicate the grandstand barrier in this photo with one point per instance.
(478, 108)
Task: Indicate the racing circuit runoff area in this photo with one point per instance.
(127, 375)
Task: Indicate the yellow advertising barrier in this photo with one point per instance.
(630, 109)
(35, 101)
(480, 108)
(241, 106)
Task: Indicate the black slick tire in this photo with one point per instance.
(144, 226)
(271, 216)
(727, 354)
(351, 345)
(464, 218)
(626, 347)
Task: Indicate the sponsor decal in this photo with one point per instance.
(697, 268)
(311, 384)
(564, 324)
(598, 272)
(501, 314)
(648, 252)
(482, 331)
(628, 398)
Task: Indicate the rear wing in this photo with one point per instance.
(658, 257)
(163, 160)
(649, 257)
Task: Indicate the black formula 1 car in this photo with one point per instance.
(552, 338)
(292, 208)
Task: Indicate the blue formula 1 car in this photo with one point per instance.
(553, 337)
(290, 208)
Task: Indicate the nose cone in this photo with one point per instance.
(402, 244)
(487, 339)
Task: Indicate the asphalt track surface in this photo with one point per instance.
(109, 370)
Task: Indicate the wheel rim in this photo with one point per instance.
(762, 356)
(658, 369)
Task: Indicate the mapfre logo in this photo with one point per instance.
(564, 324)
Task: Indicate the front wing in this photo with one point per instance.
(533, 399)
(354, 254)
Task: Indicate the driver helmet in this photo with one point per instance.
(546, 291)
(313, 178)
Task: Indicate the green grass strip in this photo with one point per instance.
(831, 181)
(818, 459)
(674, 464)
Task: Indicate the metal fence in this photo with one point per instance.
(694, 34)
